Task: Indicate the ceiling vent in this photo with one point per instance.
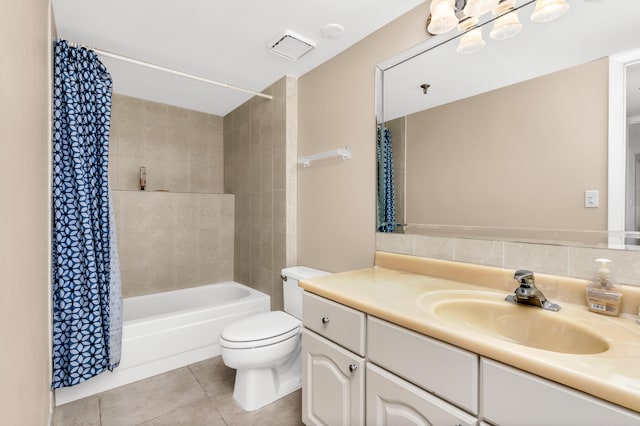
(291, 45)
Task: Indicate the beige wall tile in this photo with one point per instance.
(537, 258)
(187, 275)
(168, 141)
(478, 251)
(208, 246)
(136, 282)
(576, 262)
(435, 247)
(625, 267)
(395, 243)
(251, 171)
(168, 241)
(113, 170)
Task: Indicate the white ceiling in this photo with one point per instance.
(223, 40)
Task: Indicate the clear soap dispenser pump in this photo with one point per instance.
(604, 296)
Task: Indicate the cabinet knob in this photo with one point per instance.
(325, 320)
(353, 367)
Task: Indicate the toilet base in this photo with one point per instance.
(256, 387)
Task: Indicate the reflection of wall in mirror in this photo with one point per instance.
(633, 177)
(521, 156)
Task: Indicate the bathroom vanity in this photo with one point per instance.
(378, 350)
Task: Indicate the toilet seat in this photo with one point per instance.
(260, 330)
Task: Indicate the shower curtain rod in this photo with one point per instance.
(178, 73)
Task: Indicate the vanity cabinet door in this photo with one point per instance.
(514, 397)
(332, 383)
(393, 401)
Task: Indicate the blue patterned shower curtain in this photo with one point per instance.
(386, 192)
(86, 288)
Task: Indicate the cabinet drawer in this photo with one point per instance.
(440, 368)
(336, 322)
(511, 396)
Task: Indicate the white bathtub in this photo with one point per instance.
(169, 330)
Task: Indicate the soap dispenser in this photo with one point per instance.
(604, 296)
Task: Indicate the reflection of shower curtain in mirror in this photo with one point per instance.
(386, 193)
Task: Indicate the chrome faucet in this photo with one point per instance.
(528, 294)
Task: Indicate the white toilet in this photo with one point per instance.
(265, 348)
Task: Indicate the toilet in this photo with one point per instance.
(265, 348)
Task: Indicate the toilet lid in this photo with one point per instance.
(260, 330)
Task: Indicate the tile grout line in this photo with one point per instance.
(195, 376)
(100, 409)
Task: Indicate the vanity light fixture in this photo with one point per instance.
(446, 14)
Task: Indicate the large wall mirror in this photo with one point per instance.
(534, 138)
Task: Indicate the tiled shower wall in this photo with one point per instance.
(169, 241)
(181, 149)
(176, 239)
(260, 169)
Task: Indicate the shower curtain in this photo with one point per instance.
(86, 288)
(386, 194)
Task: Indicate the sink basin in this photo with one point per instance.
(489, 314)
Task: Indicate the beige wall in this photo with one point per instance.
(181, 149)
(336, 206)
(169, 241)
(521, 156)
(260, 148)
(24, 213)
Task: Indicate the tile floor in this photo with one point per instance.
(199, 394)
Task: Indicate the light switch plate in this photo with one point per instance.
(591, 199)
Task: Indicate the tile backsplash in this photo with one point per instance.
(577, 262)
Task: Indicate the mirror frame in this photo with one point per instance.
(617, 144)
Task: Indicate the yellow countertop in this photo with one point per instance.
(394, 288)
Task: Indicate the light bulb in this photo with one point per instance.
(478, 8)
(507, 24)
(443, 16)
(548, 10)
(471, 41)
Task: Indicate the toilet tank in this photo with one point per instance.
(293, 293)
